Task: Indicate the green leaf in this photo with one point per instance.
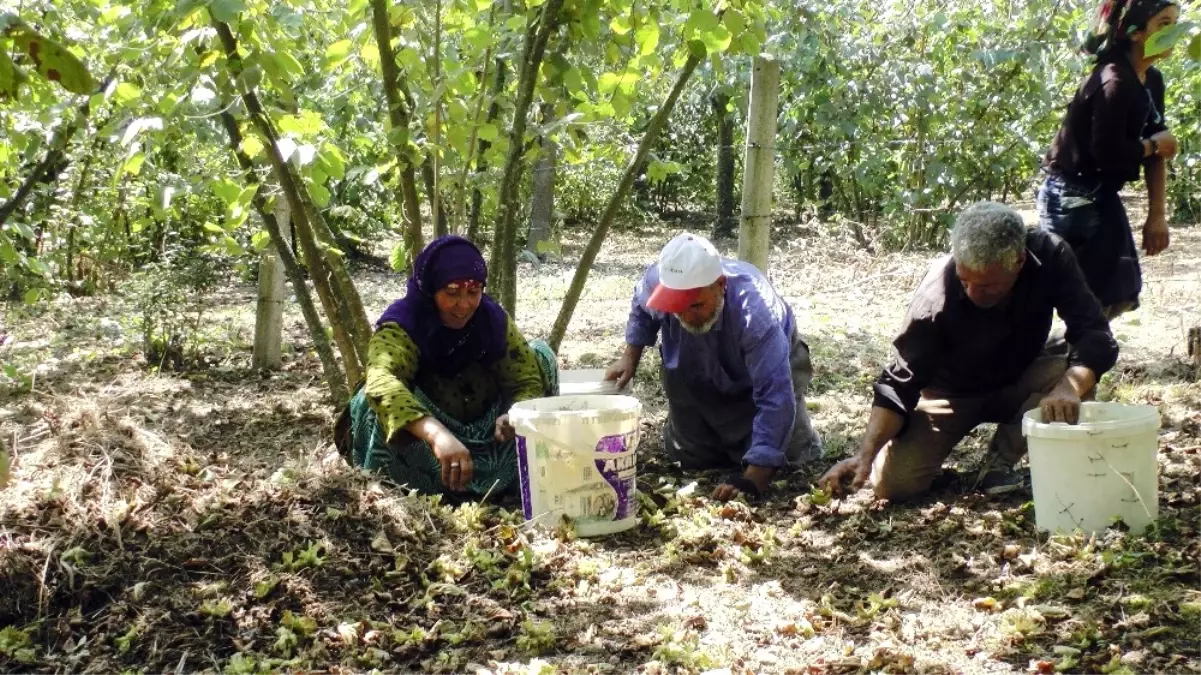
(8, 254)
(1194, 48)
(488, 132)
(32, 296)
(647, 37)
(409, 58)
(612, 53)
(232, 247)
(37, 267)
(227, 10)
(214, 228)
(51, 60)
(133, 165)
(620, 24)
(751, 44)
(399, 258)
(111, 14)
(259, 240)
(226, 190)
(11, 77)
(289, 63)
(263, 588)
(338, 51)
(320, 195)
(332, 161)
(591, 26)
(621, 104)
(25, 231)
(247, 195)
(717, 40)
(702, 21)
(608, 83)
(252, 146)
(250, 77)
(370, 54)
(306, 123)
(1165, 38)
(572, 80)
(734, 21)
(235, 215)
(126, 92)
(696, 49)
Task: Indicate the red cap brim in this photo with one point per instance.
(672, 300)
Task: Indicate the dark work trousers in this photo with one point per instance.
(708, 429)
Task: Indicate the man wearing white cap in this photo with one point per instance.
(735, 369)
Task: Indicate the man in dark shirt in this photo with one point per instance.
(972, 351)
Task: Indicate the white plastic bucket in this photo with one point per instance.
(1086, 475)
(577, 457)
(585, 382)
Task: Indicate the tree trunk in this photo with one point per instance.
(437, 214)
(43, 169)
(481, 166)
(724, 228)
(5, 465)
(441, 227)
(461, 197)
(120, 215)
(334, 378)
(84, 173)
(1194, 349)
(825, 194)
(342, 304)
(759, 163)
(399, 116)
(269, 315)
(504, 239)
(542, 201)
(657, 123)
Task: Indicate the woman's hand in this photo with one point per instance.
(455, 459)
(1156, 236)
(504, 431)
(1167, 144)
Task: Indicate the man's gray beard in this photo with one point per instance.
(708, 325)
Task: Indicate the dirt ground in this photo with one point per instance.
(201, 521)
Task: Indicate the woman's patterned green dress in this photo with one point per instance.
(397, 393)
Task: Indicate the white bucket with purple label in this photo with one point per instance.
(577, 457)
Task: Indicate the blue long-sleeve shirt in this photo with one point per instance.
(746, 352)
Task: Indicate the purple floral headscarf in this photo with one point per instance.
(446, 260)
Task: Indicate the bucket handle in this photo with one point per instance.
(549, 440)
(552, 441)
(1125, 480)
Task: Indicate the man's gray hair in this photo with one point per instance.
(987, 233)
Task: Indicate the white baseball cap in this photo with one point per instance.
(687, 264)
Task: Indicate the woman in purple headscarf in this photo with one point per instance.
(443, 367)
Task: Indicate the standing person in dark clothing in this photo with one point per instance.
(972, 351)
(1114, 127)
